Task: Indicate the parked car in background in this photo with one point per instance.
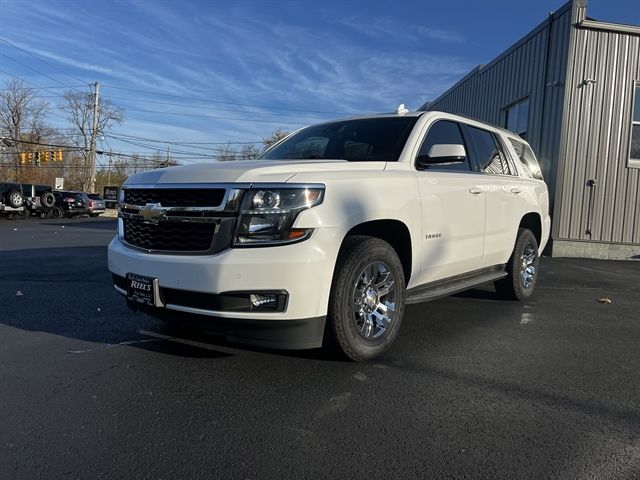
(11, 200)
(68, 204)
(94, 202)
(38, 199)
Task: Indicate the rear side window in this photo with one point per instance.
(94, 196)
(487, 153)
(444, 132)
(527, 159)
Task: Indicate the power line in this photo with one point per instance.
(206, 100)
(28, 82)
(46, 144)
(48, 87)
(37, 71)
(43, 61)
(155, 149)
(184, 142)
(201, 107)
(213, 117)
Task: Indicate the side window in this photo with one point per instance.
(445, 132)
(517, 118)
(634, 151)
(527, 159)
(487, 153)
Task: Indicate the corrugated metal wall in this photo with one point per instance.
(598, 124)
(528, 69)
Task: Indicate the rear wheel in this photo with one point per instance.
(366, 304)
(522, 268)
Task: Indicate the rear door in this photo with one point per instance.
(453, 210)
(505, 198)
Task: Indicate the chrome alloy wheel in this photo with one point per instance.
(374, 300)
(528, 266)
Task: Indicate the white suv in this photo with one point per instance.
(333, 230)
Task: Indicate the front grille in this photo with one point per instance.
(175, 197)
(169, 236)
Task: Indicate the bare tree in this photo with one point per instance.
(79, 107)
(249, 152)
(225, 153)
(22, 123)
(275, 137)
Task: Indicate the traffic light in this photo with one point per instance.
(44, 156)
(23, 158)
(37, 155)
(58, 156)
(30, 157)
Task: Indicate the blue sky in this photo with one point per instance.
(205, 71)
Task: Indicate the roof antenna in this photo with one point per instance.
(402, 109)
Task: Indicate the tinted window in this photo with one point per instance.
(372, 139)
(517, 118)
(444, 132)
(634, 153)
(527, 159)
(487, 153)
(94, 196)
(635, 142)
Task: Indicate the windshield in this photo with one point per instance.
(364, 140)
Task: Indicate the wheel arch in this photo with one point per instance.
(533, 222)
(394, 232)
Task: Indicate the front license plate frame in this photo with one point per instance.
(144, 290)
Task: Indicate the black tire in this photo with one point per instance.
(15, 199)
(47, 200)
(44, 214)
(57, 212)
(359, 253)
(522, 268)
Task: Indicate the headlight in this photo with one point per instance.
(267, 215)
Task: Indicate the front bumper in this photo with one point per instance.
(303, 270)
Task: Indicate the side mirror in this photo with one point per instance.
(442, 154)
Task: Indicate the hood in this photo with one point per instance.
(246, 171)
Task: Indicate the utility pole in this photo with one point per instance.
(94, 134)
(109, 171)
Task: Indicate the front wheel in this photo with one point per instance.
(522, 268)
(366, 304)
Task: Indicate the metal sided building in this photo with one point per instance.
(571, 87)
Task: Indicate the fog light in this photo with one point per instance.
(262, 301)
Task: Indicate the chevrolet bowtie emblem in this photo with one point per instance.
(152, 213)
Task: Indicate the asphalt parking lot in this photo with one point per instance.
(474, 387)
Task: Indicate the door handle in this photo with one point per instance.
(516, 190)
(475, 191)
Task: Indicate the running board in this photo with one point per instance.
(460, 283)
